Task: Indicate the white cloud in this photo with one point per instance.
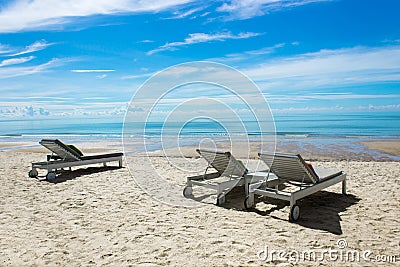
(36, 46)
(381, 107)
(22, 15)
(250, 55)
(5, 49)
(329, 68)
(146, 41)
(23, 111)
(13, 61)
(34, 109)
(327, 96)
(265, 50)
(137, 76)
(91, 71)
(26, 15)
(10, 72)
(195, 38)
(102, 76)
(245, 9)
(336, 108)
(184, 14)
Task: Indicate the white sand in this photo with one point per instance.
(101, 217)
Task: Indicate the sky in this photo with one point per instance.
(84, 58)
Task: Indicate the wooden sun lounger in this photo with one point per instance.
(64, 156)
(225, 165)
(292, 170)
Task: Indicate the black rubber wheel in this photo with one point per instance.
(294, 213)
(33, 173)
(187, 192)
(51, 176)
(245, 203)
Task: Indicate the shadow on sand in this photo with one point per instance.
(318, 211)
(64, 176)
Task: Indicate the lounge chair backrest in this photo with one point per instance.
(289, 167)
(60, 149)
(224, 162)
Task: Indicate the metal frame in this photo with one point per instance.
(270, 188)
(68, 159)
(226, 166)
(59, 164)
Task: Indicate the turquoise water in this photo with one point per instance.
(374, 124)
(338, 135)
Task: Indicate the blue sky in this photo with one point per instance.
(83, 58)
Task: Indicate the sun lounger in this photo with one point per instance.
(293, 171)
(64, 156)
(226, 166)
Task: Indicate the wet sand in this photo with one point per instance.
(391, 147)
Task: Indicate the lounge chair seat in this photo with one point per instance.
(64, 156)
(229, 173)
(292, 171)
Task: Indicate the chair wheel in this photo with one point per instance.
(294, 213)
(247, 206)
(187, 191)
(51, 176)
(33, 173)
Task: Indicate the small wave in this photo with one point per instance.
(10, 135)
(297, 135)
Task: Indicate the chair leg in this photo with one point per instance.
(292, 202)
(344, 187)
(220, 199)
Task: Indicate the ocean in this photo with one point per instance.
(373, 124)
(339, 135)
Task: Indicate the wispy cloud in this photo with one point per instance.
(249, 55)
(137, 76)
(187, 13)
(195, 38)
(14, 61)
(6, 49)
(245, 9)
(36, 46)
(327, 96)
(91, 71)
(265, 50)
(146, 41)
(22, 15)
(14, 71)
(307, 109)
(329, 68)
(102, 76)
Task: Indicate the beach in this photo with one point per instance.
(199, 133)
(100, 216)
